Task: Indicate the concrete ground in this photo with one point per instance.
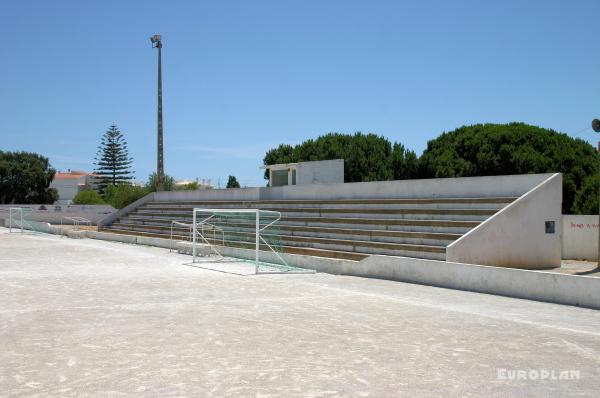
(92, 318)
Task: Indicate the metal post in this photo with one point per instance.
(194, 236)
(21, 220)
(596, 128)
(257, 241)
(160, 172)
(159, 157)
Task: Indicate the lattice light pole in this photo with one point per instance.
(160, 171)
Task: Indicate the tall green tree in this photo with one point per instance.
(113, 164)
(25, 178)
(517, 148)
(367, 157)
(232, 182)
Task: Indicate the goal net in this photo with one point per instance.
(20, 219)
(248, 235)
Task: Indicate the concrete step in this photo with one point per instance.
(291, 250)
(419, 238)
(342, 245)
(433, 226)
(409, 213)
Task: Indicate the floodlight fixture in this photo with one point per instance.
(156, 41)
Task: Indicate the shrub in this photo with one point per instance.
(168, 183)
(88, 197)
(119, 196)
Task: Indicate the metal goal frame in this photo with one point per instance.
(200, 225)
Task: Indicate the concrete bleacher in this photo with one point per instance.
(349, 229)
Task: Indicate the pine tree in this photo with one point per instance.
(232, 182)
(113, 164)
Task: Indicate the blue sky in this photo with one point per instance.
(241, 77)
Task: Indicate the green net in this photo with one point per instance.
(239, 233)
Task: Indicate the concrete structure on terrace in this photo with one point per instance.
(305, 173)
(507, 221)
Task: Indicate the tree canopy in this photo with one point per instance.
(25, 178)
(113, 164)
(516, 148)
(367, 157)
(232, 182)
(477, 150)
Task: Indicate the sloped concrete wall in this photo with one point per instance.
(516, 236)
(580, 237)
(125, 210)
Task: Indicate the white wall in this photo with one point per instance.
(466, 187)
(516, 235)
(320, 172)
(68, 187)
(580, 237)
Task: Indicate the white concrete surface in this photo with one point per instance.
(580, 237)
(92, 318)
(516, 235)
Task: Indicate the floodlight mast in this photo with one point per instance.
(156, 41)
(596, 128)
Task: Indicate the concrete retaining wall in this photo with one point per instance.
(54, 214)
(512, 185)
(527, 284)
(580, 237)
(533, 285)
(516, 236)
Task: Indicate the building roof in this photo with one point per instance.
(72, 175)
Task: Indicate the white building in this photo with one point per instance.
(303, 173)
(71, 183)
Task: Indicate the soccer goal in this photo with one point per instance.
(249, 235)
(20, 220)
(17, 219)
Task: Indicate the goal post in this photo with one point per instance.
(21, 220)
(251, 235)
